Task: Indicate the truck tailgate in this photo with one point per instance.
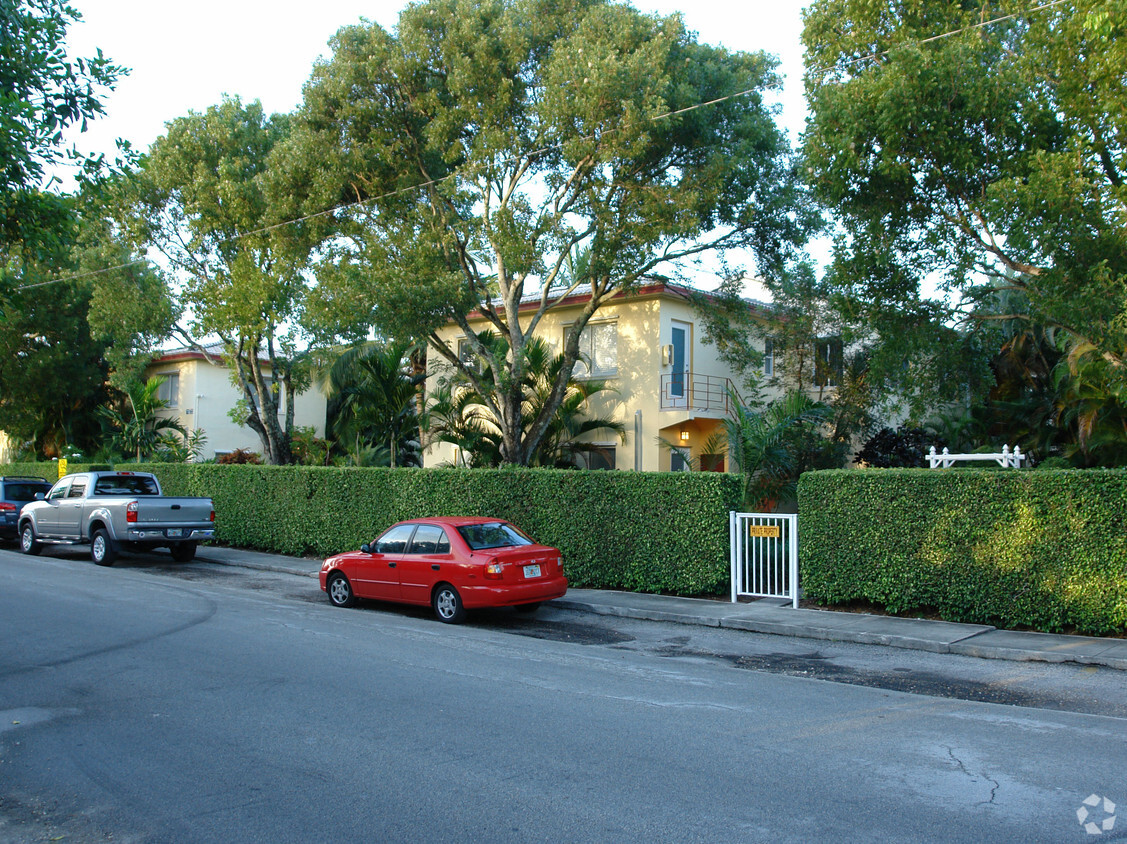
(174, 512)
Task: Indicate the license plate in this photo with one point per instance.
(532, 571)
(175, 532)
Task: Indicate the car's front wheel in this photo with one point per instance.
(103, 550)
(340, 590)
(447, 604)
(28, 543)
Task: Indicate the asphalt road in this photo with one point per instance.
(153, 702)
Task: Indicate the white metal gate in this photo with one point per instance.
(764, 555)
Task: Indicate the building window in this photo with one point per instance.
(828, 362)
(677, 462)
(769, 357)
(468, 356)
(596, 457)
(598, 351)
(169, 391)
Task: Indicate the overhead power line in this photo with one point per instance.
(559, 144)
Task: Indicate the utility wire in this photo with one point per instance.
(551, 147)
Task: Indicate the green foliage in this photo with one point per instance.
(42, 93)
(514, 151)
(770, 448)
(1042, 549)
(994, 153)
(139, 427)
(460, 414)
(649, 532)
(202, 198)
(372, 391)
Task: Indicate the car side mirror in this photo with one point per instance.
(39, 496)
(366, 548)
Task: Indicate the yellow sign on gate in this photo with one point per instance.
(763, 531)
(62, 466)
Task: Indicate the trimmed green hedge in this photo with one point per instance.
(1045, 549)
(653, 532)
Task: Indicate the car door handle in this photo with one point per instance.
(391, 565)
(436, 566)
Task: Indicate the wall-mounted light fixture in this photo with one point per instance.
(684, 436)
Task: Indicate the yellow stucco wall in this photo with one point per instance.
(205, 396)
(645, 325)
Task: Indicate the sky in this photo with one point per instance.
(185, 56)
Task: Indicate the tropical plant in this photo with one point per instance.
(140, 428)
(459, 414)
(770, 447)
(372, 390)
(480, 143)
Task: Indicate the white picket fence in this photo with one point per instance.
(1005, 458)
(764, 548)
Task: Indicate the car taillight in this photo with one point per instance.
(212, 516)
(4, 505)
(131, 511)
(493, 571)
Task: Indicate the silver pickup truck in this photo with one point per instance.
(112, 511)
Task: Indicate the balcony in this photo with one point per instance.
(698, 393)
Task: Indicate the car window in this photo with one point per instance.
(395, 540)
(60, 489)
(125, 485)
(23, 491)
(430, 539)
(492, 535)
(77, 489)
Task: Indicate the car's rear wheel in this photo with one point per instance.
(183, 552)
(528, 608)
(447, 604)
(103, 550)
(340, 590)
(28, 543)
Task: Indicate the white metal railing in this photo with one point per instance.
(1006, 459)
(764, 555)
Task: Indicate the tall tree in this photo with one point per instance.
(486, 141)
(980, 144)
(372, 391)
(42, 93)
(200, 198)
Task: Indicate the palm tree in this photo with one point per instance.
(372, 391)
(142, 429)
(768, 447)
(458, 413)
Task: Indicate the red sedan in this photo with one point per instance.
(453, 564)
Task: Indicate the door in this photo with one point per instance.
(47, 518)
(71, 509)
(377, 574)
(679, 338)
(427, 561)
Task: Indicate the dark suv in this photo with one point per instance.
(14, 493)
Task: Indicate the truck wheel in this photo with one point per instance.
(103, 549)
(28, 543)
(183, 552)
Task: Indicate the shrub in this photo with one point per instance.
(653, 532)
(900, 449)
(239, 456)
(1043, 549)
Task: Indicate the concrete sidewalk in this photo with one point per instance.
(777, 617)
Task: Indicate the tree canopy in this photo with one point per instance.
(42, 93)
(201, 198)
(980, 145)
(481, 145)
